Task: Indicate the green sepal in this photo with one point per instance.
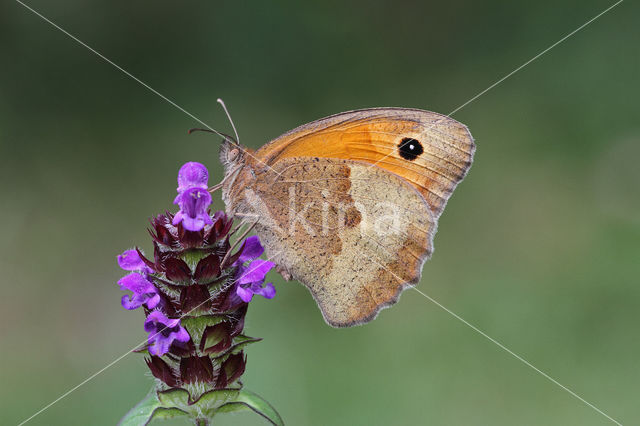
(173, 290)
(195, 325)
(173, 397)
(177, 403)
(208, 403)
(223, 282)
(192, 257)
(239, 342)
(215, 336)
(144, 350)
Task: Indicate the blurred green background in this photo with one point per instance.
(539, 247)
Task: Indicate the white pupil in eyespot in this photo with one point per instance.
(411, 147)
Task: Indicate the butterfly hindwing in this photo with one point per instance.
(353, 234)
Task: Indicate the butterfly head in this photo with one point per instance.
(234, 158)
(232, 155)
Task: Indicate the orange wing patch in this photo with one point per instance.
(431, 151)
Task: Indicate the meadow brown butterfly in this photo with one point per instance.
(348, 205)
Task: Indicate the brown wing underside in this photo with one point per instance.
(353, 234)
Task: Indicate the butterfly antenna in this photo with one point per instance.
(199, 129)
(210, 130)
(224, 107)
(215, 132)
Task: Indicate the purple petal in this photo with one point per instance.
(130, 261)
(182, 335)
(171, 323)
(268, 291)
(153, 318)
(193, 200)
(256, 271)
(163, 332)
(154, 301)
(192, 175)
(178, 217)
(193, 214)
(244, 293)
(160, 346)
(136, 283)
(196, 223)
(252, 250)
(131, 303)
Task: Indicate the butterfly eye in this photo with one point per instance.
(232, 154)
(410, 148)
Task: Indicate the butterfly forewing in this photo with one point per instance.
(431, 151)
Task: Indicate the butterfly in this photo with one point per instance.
(348, 205)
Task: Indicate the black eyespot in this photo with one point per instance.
(410, 149)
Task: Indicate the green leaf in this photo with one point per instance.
(142, 413)
(249, 400)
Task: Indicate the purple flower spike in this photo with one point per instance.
(193, 214)
(192, 175)
(162, 332)
(144, 293)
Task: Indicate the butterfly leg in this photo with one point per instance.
(284, 272)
